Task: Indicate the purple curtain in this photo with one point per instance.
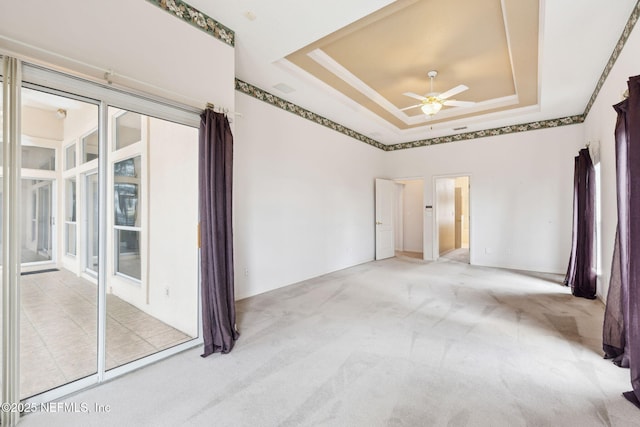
(581, 274)
(216, 233)
(621, 332)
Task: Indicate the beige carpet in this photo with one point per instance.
(389, 343)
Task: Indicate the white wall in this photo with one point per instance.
(521, 194)
(146, 47)
(304, 198)
(173, 225)
(599, 131)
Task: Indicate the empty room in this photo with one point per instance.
(363, 213)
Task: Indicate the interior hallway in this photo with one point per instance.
(457, 255)
(387, 343)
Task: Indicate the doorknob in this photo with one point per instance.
(378, 223)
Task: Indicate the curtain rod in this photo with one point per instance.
(222, 110)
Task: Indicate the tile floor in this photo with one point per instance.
(58, 327)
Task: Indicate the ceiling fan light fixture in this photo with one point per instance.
(431, 106)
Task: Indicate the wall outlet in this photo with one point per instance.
(246, 272)
(487, 251)
(166, 291)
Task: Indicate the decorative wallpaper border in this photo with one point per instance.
(504, 130)
(193, 16)
(631, 22)
(262, 95)
(269, 98)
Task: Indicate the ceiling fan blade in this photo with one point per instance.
(456, 90)
(454, 103)
(414, 96)
(409, 108)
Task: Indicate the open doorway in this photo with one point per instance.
(452, 219)
(409, 218)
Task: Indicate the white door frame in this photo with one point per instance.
(399, 213)
(435, 243)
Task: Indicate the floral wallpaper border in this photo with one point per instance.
(504, 130)
(262, 95)
(193, 16)
(631, 22)
(269, 98)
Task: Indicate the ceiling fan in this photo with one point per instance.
(432, 102)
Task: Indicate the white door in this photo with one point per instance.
(385, 240)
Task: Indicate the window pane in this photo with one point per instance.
(126, 188)
(128, 130)
(91, 232)
(70, 232)
(128, 253)
(39, 158)
(70, 157)
(70, 200)
(70, 216)
(90, 147)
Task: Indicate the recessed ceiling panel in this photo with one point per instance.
(488, 45)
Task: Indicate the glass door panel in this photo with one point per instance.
(148, 270)
(152, 262)
(58, 308)
(1, 209)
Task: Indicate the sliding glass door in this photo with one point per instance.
(58, 307)
(101, 203)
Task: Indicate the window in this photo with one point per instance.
(70, 157)
(128, 130)
(38, 158)
(70, 217)
(127, 217)
(90, 147)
